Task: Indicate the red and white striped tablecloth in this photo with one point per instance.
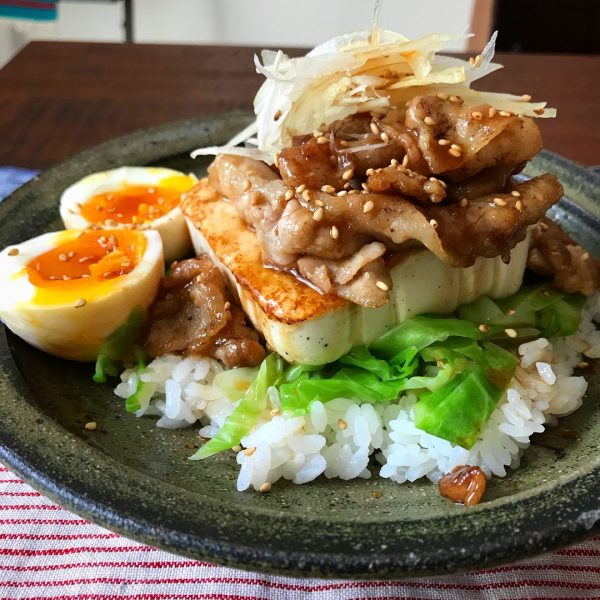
(47, 552)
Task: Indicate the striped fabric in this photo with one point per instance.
(47, 552)
(31, 10)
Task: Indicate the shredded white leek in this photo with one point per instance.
(360, 72)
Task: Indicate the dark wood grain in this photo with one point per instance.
(59, 98)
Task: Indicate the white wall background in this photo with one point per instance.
(269, 23)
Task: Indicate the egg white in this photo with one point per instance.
(58, 326)
(171, 226)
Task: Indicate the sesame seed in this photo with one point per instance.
(63, 257)
(328, 189)
(91, 425)
(13, 252)
(322, 139)
(250, 451)
(237, 448)
(443, 142)
(585, 256)
(478, 115)
(505, 113)
(368, 207)
(334, 232)
(405, 161)
(300, 189)
(472, 61)
(247, 185)
(511, 333)
(307, 195)
(265, 488)
(483, 328)
(317, 133)
(277, 115)
(318, 214)
(454, 152)
(433, 223)
(511, 311)
(519, 205)
(428, 121)
(365, 187)
(370, 171)
(539, 111)
(275, 412)
(227, 306)
(491, 112)
(376, 494)
(375, 129)
(394, 162)
(341, 193)
(342, 424)
(289, 194)
(382, 285)
(81, 302)
(526, 98)
(319, 202)
(385, 137)
(442, 96)
(348, 174)
(499, 202)
(583, 364)
(455, 99)
(464, 202)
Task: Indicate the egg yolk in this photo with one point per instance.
(136, 204)
(90, 258)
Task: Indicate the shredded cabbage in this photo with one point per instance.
(360, 72)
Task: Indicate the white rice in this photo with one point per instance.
(337, 439)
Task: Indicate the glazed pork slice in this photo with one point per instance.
(319, 233)
(309, 327)
(193, 315)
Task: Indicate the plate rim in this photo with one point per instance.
(74, 493)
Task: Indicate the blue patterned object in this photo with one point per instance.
(13, 177)
(30, 10)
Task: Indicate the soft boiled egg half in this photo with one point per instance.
(66, 292)
(132, 198)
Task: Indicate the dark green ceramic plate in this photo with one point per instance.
(134, 479)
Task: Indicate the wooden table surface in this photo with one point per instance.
(57, 98)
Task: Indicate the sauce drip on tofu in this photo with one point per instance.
(136, 204)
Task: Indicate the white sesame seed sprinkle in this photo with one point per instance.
(499, 202)
(374, 128)
(444, 142)
(382, 285)
(265, 488)
(289, 194)
(516, 194)
(511, 333)
(250, 451)
(334, 232)
(433, 223)
(318, 214)
(428, 121)
(405, 161)
(80, 303)
(348, 174)
(300, 189)
(368, 207)
(13, 252)
(91, 426)
(328, 189)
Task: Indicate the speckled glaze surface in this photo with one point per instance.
(136, 480)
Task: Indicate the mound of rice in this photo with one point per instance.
(338, 438)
